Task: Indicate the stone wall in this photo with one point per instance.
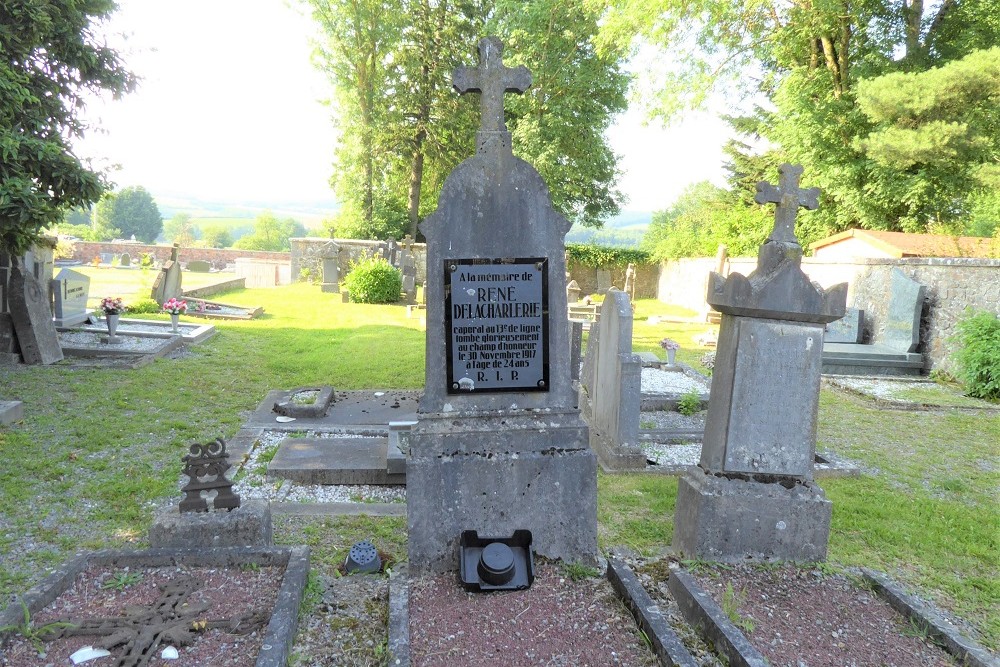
(305, 255)
(85, 251)
(646, 278)
(953, 285)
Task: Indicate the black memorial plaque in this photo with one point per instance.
(497, 323)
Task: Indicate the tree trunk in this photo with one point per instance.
(417, 175)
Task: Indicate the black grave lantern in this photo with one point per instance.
(496, 563)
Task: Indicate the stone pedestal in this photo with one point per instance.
(247, 525)
(497, 474)
(732, 519)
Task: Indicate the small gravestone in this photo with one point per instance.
(408, 267)
(206, 466)
(125, 259)
(70, 291)
(902, 321)
(199, 266)
(330, 261)
(168, 281)
(752, 493)
(106, 257)
(603, 281)
(848, 329)
(612, 395)
(499, 445)
(32, 318)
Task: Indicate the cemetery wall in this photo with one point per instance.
(85, 251)
(953, 284)
(591, 279)
(304, 255)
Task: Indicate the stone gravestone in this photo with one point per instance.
(409, 270)
(902, 321)
(848, 329)
(199, 266)
(499, 444)
(70, 290)
(168, 281)
(32, 318)
(752, 494)
(329, 256)
(125, 259)
(612, 393)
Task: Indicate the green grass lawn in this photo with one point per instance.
(136, 283)
(99, 449)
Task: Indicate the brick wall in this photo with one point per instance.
(306, 254)
(646, 276)
(953, 285)
(85, 251)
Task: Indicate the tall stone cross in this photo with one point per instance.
(491, 79)
(789, 198)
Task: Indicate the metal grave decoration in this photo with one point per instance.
(496, 316)
(206, 465)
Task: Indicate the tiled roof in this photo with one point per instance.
(900, 244)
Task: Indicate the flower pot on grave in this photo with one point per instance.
(670, 357)
(174, 318)
(112, 323)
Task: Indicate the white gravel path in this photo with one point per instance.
(687, 454)
(91, 340)
(658, 381)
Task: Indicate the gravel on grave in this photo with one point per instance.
(227, 593)
(96, 341)
(659, 381)
(802, 616)
(557, 622)
(252, 482)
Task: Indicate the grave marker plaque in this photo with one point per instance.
(497, 323)
(70, 290)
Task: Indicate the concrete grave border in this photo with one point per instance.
(703, 614)
(280, 632)
(198, 332)
(141, 358)
(399, 616)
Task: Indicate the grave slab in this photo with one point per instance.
(11, 411)
(32, 318)
(352, 408)
(333, 461)
(190, 333)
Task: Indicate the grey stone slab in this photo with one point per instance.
(333, 461)
(247, 525)
(190, 333)
(928, 619)
(848, 329)
(666, 644)
(765, 389)
(292, 406)
(350, 409)
(395, 458)
(703, 614)
(730, 520)
(11, 411)
(902, 325)
(168, 282)
(32, 318)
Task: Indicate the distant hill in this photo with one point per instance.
(236, 214)
(624, 230)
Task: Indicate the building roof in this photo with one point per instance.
(901, 244)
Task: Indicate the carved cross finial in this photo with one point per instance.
(788, 197)
(491, 79)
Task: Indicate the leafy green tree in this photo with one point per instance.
(180, 230)
(403, 128)
(77, 216)
(49, 56)
(807, 60)
(270, 233)
(131, 211)
(216, 237)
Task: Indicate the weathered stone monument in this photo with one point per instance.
(499, 444)
(611, 389)
(408, 267)
(168, 281)
(329, 256)
(752, 494)
(31, 316)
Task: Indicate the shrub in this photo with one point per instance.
(374, 280)
(978, 355)
(142, 306)
(689, 403)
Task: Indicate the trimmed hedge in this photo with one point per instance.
(599, 256)
(374, 280)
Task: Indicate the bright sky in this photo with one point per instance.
(229, 109)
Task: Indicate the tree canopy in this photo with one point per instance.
(131, 211)
(270, 233)
(403, 128)
(49, 59)
(811, 72)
